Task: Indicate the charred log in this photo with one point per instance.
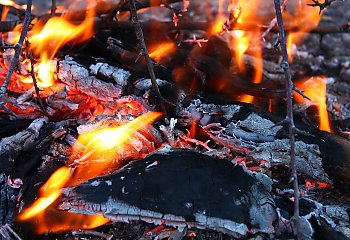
(194, 190)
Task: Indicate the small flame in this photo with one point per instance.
(315, 89)
(49, 192)
(305, 18)
(162, 50)
(103, 142)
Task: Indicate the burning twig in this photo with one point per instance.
(14, 62)
(141, 39)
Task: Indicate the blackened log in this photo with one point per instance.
(10, 126)
(181, 188)
(11, 147)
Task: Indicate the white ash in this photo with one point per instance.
(120, 76)
(276, 153)
(260, 125)
(201, 112)
(78, 77)
(146, 83)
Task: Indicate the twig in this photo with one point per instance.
(143, 50)
(37, 90)
(289, 118)
(323, 5)
(53, 7)
(14, 62)
(273, 21)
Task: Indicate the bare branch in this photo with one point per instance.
(323, 5)
(14, 62)
(144, 51)
(291, 127)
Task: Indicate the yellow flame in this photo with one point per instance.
(162, 50)
(49, 192)
(103, 142)
(315, 89)
(46, 38)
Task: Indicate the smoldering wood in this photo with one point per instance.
(173, 186)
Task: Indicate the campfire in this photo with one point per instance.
(172, 119)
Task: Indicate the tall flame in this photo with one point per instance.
(98, 158)
(315, 89)
(305, 18)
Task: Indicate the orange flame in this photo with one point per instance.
(162, 50)
(305, 18)
(99, 157)
(315, 89)
(46, 39)
(12, 4)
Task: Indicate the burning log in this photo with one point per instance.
(180, 188)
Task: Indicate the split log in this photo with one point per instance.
(180, 188)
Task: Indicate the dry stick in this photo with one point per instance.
(143, 50)
(289, 118)
(53, 7)
(37, 90)
(14, 62)
(323, 5)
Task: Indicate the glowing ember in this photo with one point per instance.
(312, 184)
(315, 89)
(98, 157)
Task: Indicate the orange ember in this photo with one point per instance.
(315, 89)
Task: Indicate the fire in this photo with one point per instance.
(49, 192)
(315, 89)
(98, 158)
(305, 18)
(47, 38)
(162, 50)
(12, 4)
